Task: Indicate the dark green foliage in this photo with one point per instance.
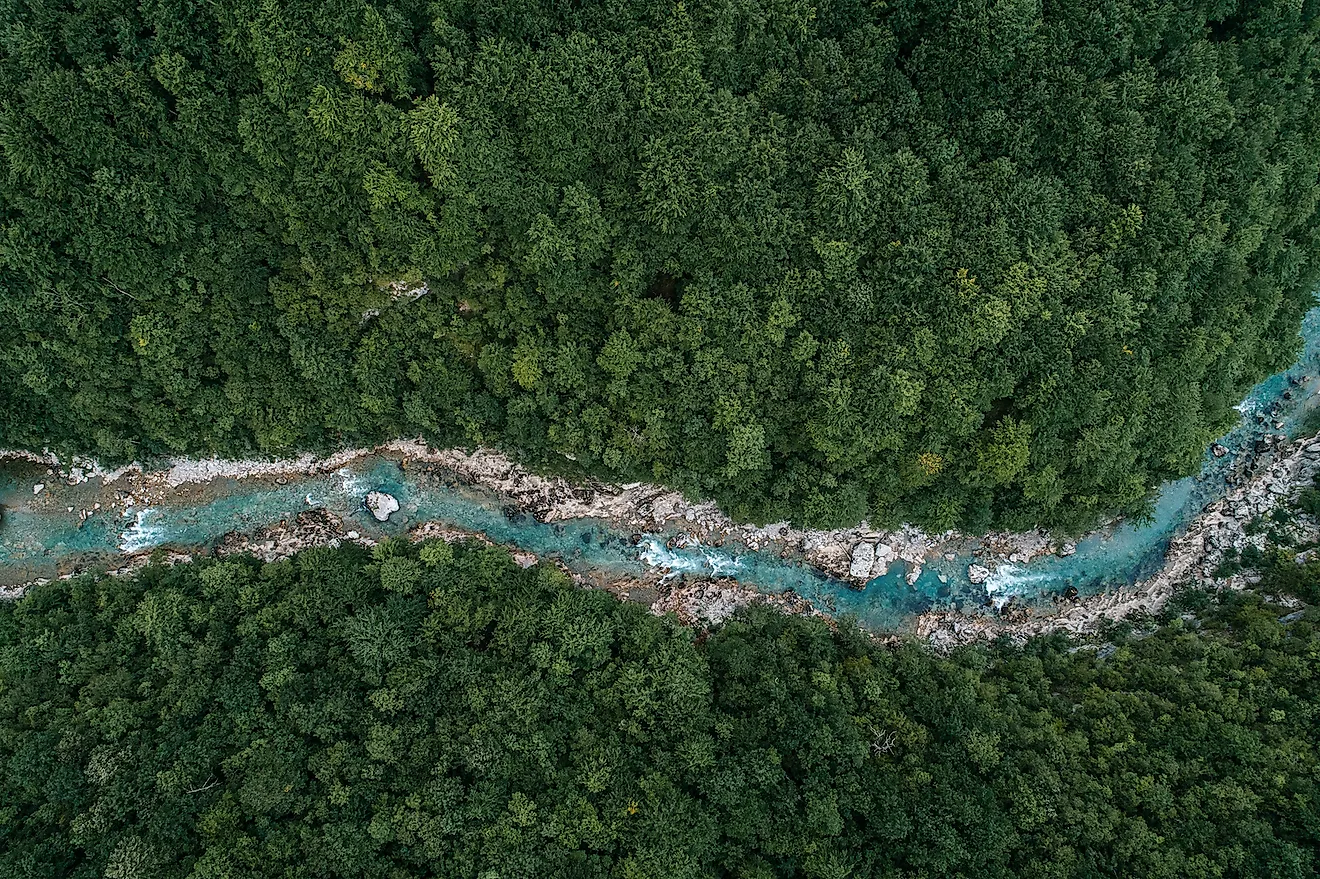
(442, 712)
(980, 263)
(1282, 574)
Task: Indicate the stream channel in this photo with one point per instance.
(40, 537)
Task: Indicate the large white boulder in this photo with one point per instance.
(382, 505)
(863, 557)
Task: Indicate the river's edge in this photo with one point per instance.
(636, 506)
(1191, 562)
(1191, 559)
(696, 602)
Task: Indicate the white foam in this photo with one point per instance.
(351, 484)
(657, 555)
(142, 534)
(1007, 581)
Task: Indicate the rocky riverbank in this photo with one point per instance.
(699, 602)
(855, 555)
(1273, 474)
(1266, 473)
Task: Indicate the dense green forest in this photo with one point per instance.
(964, 262)
(440, 712)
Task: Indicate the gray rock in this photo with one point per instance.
(382, 505)
(1067, 548)
(976, 574)
(36, 489)
(863, 557)
(1218, 450)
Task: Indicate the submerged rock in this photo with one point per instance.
(381, 505)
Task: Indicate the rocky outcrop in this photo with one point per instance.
(1194, 556)
(863, 559)
(710, 602)
(884, 554)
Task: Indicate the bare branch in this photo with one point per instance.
(120, 289)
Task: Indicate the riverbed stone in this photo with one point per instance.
(977, 574)
(1067, 548)
(382, 505)
(863, 557)
(1218, 450)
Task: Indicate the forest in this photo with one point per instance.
(438, 711)
(957, 263)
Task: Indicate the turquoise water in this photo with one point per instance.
(39, 538)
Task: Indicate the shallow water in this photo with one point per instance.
(39, 537)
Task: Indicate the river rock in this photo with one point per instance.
(913, 575)
(382, 505)
(884, 554)
(36, 489)
(863, 557)
(1218, 450)
(1067, 549)
(976, 574)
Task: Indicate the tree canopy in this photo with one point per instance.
(966, 263)
(437, 711)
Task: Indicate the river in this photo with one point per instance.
(44, 534)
